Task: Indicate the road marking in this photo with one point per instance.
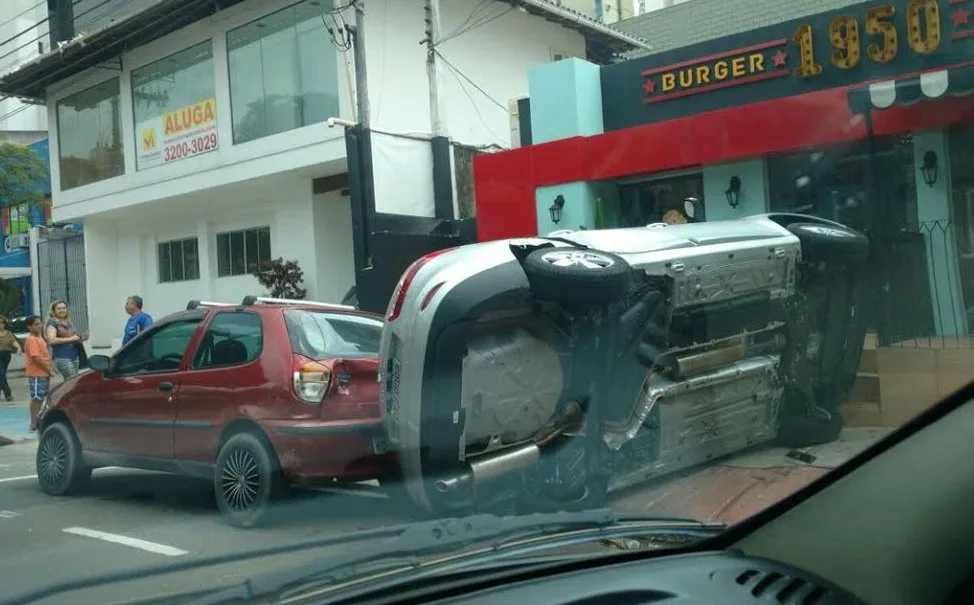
(21, 478)
(8, 514)
(153, 547)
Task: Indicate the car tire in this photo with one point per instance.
(816, 426)
(246, 478)
(822, 243)
(61, 470)
(577, 277)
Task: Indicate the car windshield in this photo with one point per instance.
(262, 288)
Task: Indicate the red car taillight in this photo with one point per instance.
(311, 379)
(399, 296)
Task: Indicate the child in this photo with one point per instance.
(37, 367)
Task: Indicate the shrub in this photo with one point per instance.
(283, 279)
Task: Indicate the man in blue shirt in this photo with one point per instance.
(138, 320)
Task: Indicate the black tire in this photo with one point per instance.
(246, 478)
(801, 430)
(581, 278)
(824, 243)
(61, 471)
(595, 496)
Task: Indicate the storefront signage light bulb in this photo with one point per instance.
(734, 191)
(556, 209)
(930, 168)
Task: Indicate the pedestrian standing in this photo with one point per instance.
(37, 367)
(64, 340)
(8, 347)
(138, 320)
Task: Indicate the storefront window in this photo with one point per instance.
(283, 72)
(831, 183)
(90, 136)
(175, 109)
(659, 200)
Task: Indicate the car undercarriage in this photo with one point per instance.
(618, 368)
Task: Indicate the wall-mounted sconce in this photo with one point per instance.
(556, 208)
(733, 192)
(930, 168)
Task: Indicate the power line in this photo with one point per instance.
(475, 25)
(456, 70)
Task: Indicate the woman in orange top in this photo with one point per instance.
(37, 367)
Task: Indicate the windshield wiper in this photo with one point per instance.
(409, 549)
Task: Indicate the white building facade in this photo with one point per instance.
(193, 157)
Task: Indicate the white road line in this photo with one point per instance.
(21, 478)
(153, 547)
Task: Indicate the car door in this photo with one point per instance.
(224, 381)
(135, 407)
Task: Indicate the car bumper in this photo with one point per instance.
(311, 451)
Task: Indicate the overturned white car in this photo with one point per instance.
(543, 373)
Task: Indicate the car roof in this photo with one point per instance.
(274, 307)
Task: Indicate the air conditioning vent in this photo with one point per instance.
(783, 589)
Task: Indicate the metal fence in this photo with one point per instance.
(924, 285)
(61, 275)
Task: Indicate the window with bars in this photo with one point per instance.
(179, 260)
(241, 252)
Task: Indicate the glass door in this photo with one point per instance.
(660, 200)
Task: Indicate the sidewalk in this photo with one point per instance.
(15, 416)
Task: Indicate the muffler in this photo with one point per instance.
(501, 462)
(493, 465)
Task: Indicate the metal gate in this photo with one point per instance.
(61, 275)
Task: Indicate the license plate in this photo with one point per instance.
(392, 390)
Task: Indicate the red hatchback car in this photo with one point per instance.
(255, 396)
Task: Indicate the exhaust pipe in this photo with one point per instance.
(493, 466)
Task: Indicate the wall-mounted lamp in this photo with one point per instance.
(733, 192)
(555, 210)
(930, 168)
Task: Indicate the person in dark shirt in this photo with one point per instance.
(138, 320)
(63, 339)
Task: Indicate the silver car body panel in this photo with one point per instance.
(708, 262)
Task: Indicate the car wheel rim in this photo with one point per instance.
(578, 258)
(240, 480)
(53, 458)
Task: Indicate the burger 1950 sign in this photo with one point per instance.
(186, 132)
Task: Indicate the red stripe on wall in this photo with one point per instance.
(505, 182)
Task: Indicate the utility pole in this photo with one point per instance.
(437, 119)
(361, 77)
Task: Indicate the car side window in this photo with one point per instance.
(320, 335)
(160, 350)
(231, 338)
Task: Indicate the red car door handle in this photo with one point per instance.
(165, 387)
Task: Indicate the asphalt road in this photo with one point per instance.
(136, 520)
(133, 519)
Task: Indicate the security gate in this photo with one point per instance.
(61, 275)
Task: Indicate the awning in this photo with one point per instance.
(12, 272)
(954, 82)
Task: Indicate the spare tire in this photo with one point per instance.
(826, 243)
(576, 277)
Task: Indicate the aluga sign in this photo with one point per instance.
(186, 132)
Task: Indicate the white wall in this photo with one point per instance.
(496, 56)
(309, 147)
(314, 230)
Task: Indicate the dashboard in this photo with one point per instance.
(705, 578)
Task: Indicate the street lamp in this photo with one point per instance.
(733, 192)
(930, 168)
(555, 210)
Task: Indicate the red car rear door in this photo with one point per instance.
(135, 411)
